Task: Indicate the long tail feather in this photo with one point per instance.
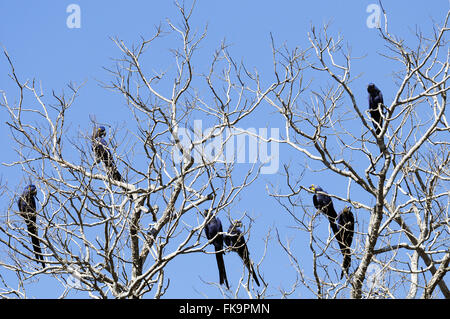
(346, 262)
(222, 271)
(248, 263)
(36, 243)
(254, 274)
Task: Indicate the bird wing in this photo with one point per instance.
(315, 202)
(346, 224)
(380, 97)
(222, 271)
(208, 231)
(370, 101)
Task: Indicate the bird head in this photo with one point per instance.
(31, 190)
(237, 223)
(204, 213)
(371, 88)
(101, 131)
(315, 188)
(347, 209)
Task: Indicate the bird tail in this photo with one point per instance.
(36, 243)
(331, 214)
(222, 271)
(346, 262)
(116, 175)
(333, 225)
(113, 173)
(254, 273)
(249, 264)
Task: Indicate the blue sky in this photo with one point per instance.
(42, 47)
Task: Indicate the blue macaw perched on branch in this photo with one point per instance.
(323, 202)
(213, 229)
(376, 105)
(27, 209)
(235, 240)
(346, 223)
(342, 225)
(103, 153)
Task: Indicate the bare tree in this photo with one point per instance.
(114, 236)
(401, 175)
